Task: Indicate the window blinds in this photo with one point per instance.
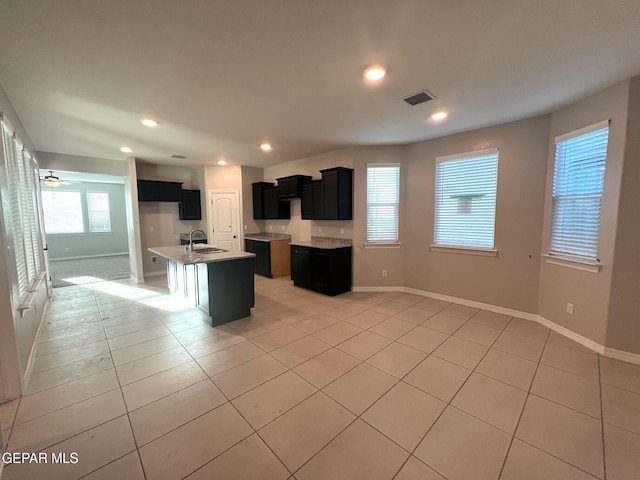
(577, 191)
(383, 198)
(62, 211)
(465, 203)
(19, 208)
(98, 208)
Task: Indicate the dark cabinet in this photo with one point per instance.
(323, 270)
(156, 191)
(330, 198)
(337, 189)
(274, 208)
(290, 187)
(266, 204)
(301, 266)
(263, 259)
(189, 208)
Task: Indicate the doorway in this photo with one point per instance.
(224, 219)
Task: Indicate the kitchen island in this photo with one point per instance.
(218, 282)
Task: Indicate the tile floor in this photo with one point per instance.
(360, 386)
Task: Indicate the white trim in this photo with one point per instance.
(629, 357)
(459, 156)
(572, 263)
(582, 131)
(2, 463)
(88, 256)
(383, 165)
(483, 252)
(26, 378)
(382, 245)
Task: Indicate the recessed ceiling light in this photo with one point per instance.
(375, 72)
(222, 162)
(266, 147)
(126, 149)
(149, 122)
(439, 115)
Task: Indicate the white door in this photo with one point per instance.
(224, 219)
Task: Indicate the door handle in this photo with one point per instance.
(235, 236)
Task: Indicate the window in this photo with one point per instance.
(62, 211)
(578, 178)
(98, 208)
(19, 210)
(465, 205)
(383, 198)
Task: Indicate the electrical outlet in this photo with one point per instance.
(283, 227)
(570, 308)
(151, 229)
(384, 273)
(154, 259)
(270, 227)
(319, 229)
(66, 249)
(245, 227)
(342, 230)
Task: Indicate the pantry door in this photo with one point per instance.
(224, 219)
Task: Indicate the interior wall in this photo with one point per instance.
(509, 279)
(369, 261)
(90, 244)
(559, 285)
(160, 224)
(76, 163)
(623, 325)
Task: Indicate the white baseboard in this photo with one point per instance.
(88, 256)
(576, 337)
(155, 274)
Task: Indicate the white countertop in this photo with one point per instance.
(181, 255)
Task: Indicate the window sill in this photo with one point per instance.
(482, 252)
(382, 245)
(577, 264)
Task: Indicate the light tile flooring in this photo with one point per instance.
(360, 386)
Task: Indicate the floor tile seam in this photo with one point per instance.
(602, 382)
(57, 340)
(167, 396)
(503, 382)
(72, 380)
(554, 456)
(133, 436)
(575, 349)
(256, 386)
(108, 314)
(626, 429)
(69, 362)
(414, 326)
(66, 406)
(153, 314)
(602, 422)
(524, 336)
(154, 373)
(306, 360)
(77, 433)
(449, 403)
(191, 420)
(524, 405)
(269, 331)
(136, 343)
(354, 420)
(567, 371)
(132, 331)
(489, 326)
(175, 347)
(288, 325)
(358, 415)
(106, 464)
(615, 387)
(13, 424)
(69, 328)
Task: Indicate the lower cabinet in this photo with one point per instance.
(272, 258)
(324, 270)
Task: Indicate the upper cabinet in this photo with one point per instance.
(330, 198)
(337, 192)
(155, 191)
(290, 187)
(267, 205)
(190, 207)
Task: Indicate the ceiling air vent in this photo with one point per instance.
(181, 157)
(418, 98)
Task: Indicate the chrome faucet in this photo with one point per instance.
(191, 237)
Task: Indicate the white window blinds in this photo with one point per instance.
(578, 179)
(383, 198)
(465, 204)
(19, 208)
(62, 211)
(98, 208)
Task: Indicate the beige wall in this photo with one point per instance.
(369, 262)
(559, 285)
(250, 175)
(511, 278)
(76, 163)
(623, 325)
(163, 217)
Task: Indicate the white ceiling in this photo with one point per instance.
(221, 76)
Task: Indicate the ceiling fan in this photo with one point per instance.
(52, 181)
